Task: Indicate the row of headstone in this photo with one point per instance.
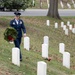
(16, 51)
(70, 27)
(41, 65)
(62, 5)
(48, 23)
(73, 3)
(67, 27)
(68, 5)
(66, 55)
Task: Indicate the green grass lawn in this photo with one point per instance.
(36, 30)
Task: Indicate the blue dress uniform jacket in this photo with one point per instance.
(19, 27)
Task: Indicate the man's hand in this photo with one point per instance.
(24, 35)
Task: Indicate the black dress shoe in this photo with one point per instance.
(20, 59)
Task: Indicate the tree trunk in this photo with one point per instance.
(53, 9)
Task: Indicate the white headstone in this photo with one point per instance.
(41, 4)
(70, 27)
(33, 2)
(48, 23)
(66, 59)
(62, 24)
(69, 6)
(5, 9)
(74, 5)
(68, 23)
(45, 50)
(66, 31)
(64, 27)
(47, 1)
(73, 1)
(27, 43)
(62, 48)
(41, 68)
(16, 56)
(56, 25)
(73, 30)
(21, 10)
(46, 40)
(48, 5)
(61, 4)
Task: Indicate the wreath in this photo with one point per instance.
(10, 34)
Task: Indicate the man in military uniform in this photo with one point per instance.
(18, 24)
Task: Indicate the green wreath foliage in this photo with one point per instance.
(10, 34)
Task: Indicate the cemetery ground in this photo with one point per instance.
(36, 30)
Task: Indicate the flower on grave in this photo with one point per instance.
(10, 34)
(49, 58)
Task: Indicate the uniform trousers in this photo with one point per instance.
(17, 43)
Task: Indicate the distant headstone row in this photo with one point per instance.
(68, 27)
(62, 4)
(68, 5)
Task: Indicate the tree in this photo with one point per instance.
(16, 4)
(53, 9)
